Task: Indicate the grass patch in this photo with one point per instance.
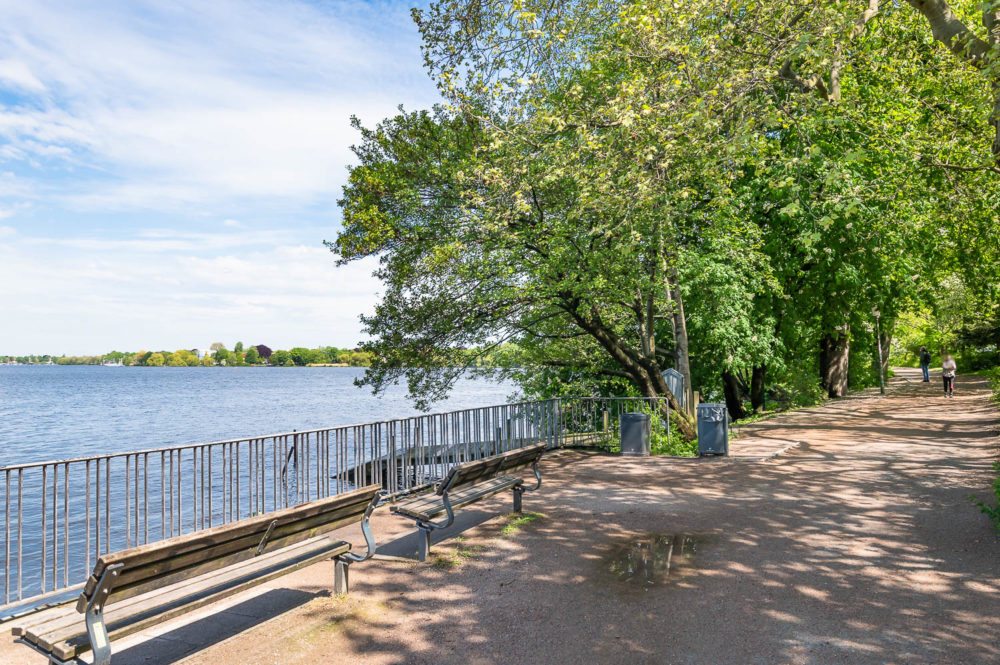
(456, 557)
(988, 509)
(515, 521)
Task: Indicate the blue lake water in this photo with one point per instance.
(58, 412)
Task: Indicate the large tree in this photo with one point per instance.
(607, 175)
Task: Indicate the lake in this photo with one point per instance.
(56, 412)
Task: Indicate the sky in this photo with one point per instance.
(170, 170)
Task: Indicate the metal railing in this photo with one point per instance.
(593, 422)
(58, 517)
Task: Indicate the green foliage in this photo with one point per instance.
(994, 377)
(281, 358)
(674, 445)
(991, 511)
(774, 163)
(252, 356)
(514, 522)
(155, 360)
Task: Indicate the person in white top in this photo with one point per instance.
(948, 368)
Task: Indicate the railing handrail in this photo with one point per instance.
(257, 437)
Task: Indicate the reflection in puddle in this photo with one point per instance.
(652, 560)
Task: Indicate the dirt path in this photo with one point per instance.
(859, 546)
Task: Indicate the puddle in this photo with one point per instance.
(653, 560)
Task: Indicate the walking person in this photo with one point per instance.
(925, 363)
(948, 367)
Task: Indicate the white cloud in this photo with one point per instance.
(16, 73)
(200, 102)
(283, 296)
(130, 128)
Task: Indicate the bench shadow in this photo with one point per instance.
(183, 641)
(406, 546)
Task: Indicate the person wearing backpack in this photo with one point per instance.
(925, 363)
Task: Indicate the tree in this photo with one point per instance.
(263, 352)
(281, 359)
(252, 357)
(238, 348)
(608, 174)
(300, 355)
(155, 360)
(175, 361)
(221, 356)
(217, 346)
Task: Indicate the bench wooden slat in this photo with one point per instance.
(136, 581)
(471, 472)
(161, 580)
(430, 507)
(69, 618)
(146, 562)
(150, 552)
(74, 645)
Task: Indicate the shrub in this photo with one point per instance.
(993, 512)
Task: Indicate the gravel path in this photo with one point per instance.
(858, 546)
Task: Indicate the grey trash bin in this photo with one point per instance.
(713, 429)
(635, 433)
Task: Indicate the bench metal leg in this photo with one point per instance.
(518, 492)
(423, 543)
(340, 571)
(97, 631)
(98, 634)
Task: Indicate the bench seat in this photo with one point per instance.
(133, 589)
(61, 632)
(467, 483)
(429, 506)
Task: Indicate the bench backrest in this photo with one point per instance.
(158, 564)
(490, 467)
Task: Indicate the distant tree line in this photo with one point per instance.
(216, 355)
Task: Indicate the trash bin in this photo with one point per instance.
(675, 384)
(713, 429)
(635, 433)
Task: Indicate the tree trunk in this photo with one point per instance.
(885, 341)
(733, 392)
(678, 415)
(683, 359)
(643, 372)
(834, 355)
(757, 381)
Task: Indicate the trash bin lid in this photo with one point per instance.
(712, 411)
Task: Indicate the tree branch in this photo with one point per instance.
(950, 31)
(957, 167)
(859, 29)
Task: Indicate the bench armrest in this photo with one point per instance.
(538, 477)
(448, 509)
(367, 531)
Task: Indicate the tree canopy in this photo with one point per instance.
(733, 188)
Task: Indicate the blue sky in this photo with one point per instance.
(169, 170)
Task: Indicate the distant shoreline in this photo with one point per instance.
(186, 367)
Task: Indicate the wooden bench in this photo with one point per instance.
(467, 483)
(144, 586)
